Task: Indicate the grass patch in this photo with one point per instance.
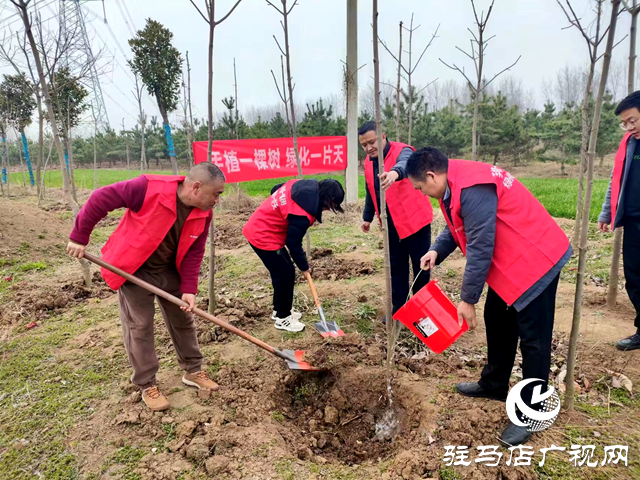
(38, 411)
(284, 470)
(559, 195)
(30, 267)
(449, 473)
(277, 416)
(365, 315)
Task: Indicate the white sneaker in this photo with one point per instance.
(290, 324)
(295, 314)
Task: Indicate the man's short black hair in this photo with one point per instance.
(369, 126)
(631, 101)
(425, 160)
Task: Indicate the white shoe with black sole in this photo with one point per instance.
(290, 324)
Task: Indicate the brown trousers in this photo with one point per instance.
(137, 310)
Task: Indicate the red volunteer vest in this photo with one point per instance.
(410, 210)
(267, 227)
(616, 179)
(139, 234)
(528, 241)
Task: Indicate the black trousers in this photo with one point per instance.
(534, 326)
(400, 252)
(283, 277)
(631, 263)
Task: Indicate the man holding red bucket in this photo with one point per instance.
(510, 242)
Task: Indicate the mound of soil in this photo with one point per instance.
(36, 302)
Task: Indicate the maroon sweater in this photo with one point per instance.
(130, 194)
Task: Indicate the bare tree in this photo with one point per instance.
(285, 12)
(185, 122)
(391, 327)
(142, 119)
(21, 7)
(412, 68)
(612, 293)
(210, 6)
(584, 228)
(479, 46)
(191, 128)
(95, 149)
(593, 42)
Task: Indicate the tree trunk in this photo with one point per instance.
(474, 128)
(584, 228)
(40, 162)
(398, 87)
(70, 168)
(5, 163)
(391, 327)
(169, 139)
(612, 293)
(212, 246)
(128, 161)
(95, 162)
(27, 157)
(24, 179)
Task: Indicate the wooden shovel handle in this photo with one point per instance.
(313, 288)
(175, 300)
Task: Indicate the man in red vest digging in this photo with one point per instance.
(409, 213)
(621, 206)
(161, 239)
(512, 243)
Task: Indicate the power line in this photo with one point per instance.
(18, 17)
(133, 34)
(124, 3)
(120, 106)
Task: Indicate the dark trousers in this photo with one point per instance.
(631, 263)
(283, 277)
(534, 326)
(413, 248)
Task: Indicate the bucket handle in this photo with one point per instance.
(411, 287)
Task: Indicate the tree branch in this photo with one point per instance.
(472, 58)
(284, 99)
(198, 9)
(281, 51)
(294, 4)
(455, 67)
(392, 55)
(277, 9)
(621, 40)
(500, 73)
(227, 15)
(435, 35)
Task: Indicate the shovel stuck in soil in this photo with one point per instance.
(324, 328)
(292, 357)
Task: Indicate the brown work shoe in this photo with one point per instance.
(201, 380)
(155, 400)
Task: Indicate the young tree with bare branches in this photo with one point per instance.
(210, 18)
(409, 71)
(584, 227)
(479, 44)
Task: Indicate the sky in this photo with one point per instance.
(531, 28)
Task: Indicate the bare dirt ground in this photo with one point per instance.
(69, 411)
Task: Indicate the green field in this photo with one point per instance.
(558, 195)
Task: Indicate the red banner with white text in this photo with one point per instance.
(246, 160)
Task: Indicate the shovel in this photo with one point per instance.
(292, 357)
(324, 328)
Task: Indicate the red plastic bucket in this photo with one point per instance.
(432, 317)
